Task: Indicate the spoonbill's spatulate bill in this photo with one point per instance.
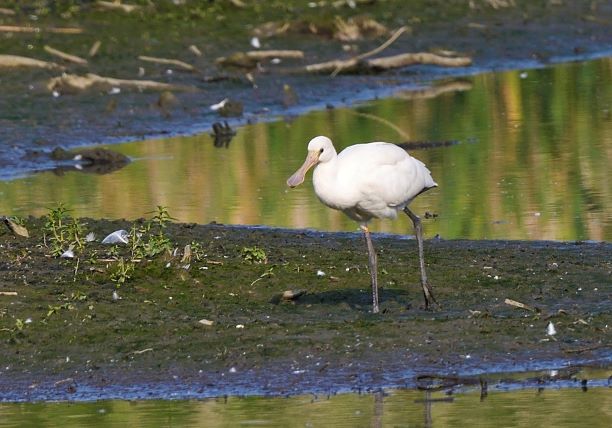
(366, 181)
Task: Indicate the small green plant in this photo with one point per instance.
(19, 324)
(113, 252)
(78, 296)
(150, 239)
(254, 255)
(122, 272)
(54, 309)
(197, 252)
(17, 220)
(161, 219)
(62, 231)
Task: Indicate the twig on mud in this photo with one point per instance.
(386, 63)
(250, 59)
(381, 48)
(586, 349)
(8, 293)
(402, 60)
(76, 83)
(178, 63)
(94, 48)
(63, 55)
(63, 381)
(114, 5)
(20, 29)
(520, 305)
(13, 61)
(141, 351)
(263, 275)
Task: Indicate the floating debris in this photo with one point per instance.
(117, 237)
(90, 237)
(206, 322)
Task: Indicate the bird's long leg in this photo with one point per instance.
(418, 230)
(373, 269)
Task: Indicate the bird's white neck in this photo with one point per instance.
(325, 182)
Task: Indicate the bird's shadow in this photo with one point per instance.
(357, 299)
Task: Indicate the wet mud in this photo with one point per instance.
(35, 118)
(214, 324)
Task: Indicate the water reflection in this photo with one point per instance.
(548, 407)
(532, 163)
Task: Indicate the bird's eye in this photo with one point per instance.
(321, 150)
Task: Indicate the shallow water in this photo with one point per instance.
(531, 162)
(502, 405)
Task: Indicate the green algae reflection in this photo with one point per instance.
(532, 162)
(528, 408)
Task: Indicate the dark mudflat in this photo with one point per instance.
(64, 336)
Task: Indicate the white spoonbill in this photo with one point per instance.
(366, 181)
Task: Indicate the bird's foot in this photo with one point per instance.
(430, 301)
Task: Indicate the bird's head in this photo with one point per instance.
(320, 149)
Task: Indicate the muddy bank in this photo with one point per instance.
(35, 118)
(113, 323)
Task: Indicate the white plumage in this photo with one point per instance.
(365, 181)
